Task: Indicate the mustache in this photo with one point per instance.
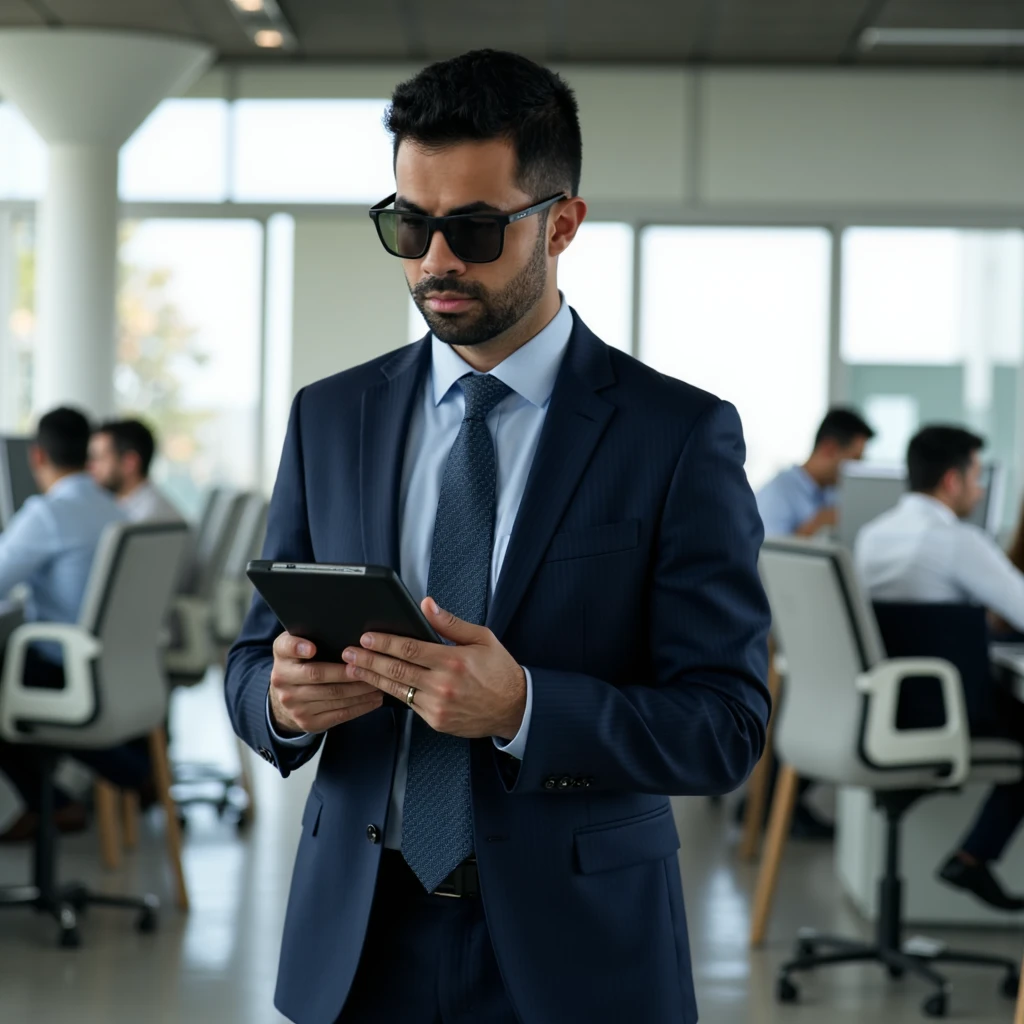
(439, 285)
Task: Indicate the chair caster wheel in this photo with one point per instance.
(895, 971)
(69, 938)
(147, 922)
(936, 1005)
(1010, 985)
(786, 991)
(804, 948)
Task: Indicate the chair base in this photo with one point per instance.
(67, 902)
(210, 784)
(817, 950)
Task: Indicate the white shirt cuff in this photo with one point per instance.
(302, 740)
(517, 746)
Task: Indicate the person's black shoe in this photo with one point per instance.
(807, 825)
(978, 879)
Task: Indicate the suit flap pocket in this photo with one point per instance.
(594, 540)
(311, 815)
(620, 844)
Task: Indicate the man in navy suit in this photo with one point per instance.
(497, 844)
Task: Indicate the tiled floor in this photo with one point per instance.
(217, 965)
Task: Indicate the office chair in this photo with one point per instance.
(233, 592)
(837, 723)
(114, 691)
(231, 523)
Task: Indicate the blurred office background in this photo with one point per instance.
(792, 204)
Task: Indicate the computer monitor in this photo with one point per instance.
(988, 513)
(867, 490)
(17, 484)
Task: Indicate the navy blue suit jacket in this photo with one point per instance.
(630, 590)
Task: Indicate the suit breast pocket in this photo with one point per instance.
(592, 541)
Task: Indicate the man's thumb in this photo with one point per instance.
(450, 626)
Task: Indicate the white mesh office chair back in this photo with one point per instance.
(115, 688)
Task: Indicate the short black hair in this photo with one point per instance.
(131, 436)
(63, 435)
(843, 426)
(935, 450)
(491, 94)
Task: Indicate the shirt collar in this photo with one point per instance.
(927, 503)
(71, 482)
(808, 482)
(530, 371)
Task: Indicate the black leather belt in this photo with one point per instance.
(462, 883)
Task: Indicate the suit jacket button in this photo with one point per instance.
(550, 783)
(373, 833)
(564, 782)
(587, 783)
(265, 754)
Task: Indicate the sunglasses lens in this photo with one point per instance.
(472, 240)
(403, 234)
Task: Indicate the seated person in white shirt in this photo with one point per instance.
(923, 551)
(120, 454)
(49, 546)
(801, 501)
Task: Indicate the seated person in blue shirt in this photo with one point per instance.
(801, 501)
(922, 551)
(49, 546)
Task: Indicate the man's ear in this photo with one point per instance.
(565, 220)
(36, 457)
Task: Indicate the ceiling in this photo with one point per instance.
(758, 32)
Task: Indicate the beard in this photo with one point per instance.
(495, 312)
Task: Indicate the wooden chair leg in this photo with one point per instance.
(775, 842)
(246, 776)
(1018, 1017)
(172, 829)
(760, 779)
(130, 818)
(105, 796)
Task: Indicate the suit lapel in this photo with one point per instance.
(384, 426)
(576, 420)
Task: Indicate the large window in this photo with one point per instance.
(189, 347)
(743, 313)
(932, 331)
(311, 151)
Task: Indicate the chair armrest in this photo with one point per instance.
(75, 704)
(889, 747)
(195, 653)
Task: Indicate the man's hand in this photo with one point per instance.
(473, 689)
(825, 517)
(312, 696)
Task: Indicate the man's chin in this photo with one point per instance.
(457, 329)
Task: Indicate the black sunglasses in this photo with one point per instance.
(472, 237)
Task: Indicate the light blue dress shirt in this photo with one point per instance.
(49, 545)
(515, 425)
(790, 500)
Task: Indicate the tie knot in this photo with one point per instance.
(483, 392)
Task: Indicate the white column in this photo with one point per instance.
(85, 92)
(76, 282)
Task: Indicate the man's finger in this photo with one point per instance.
(297, 695)
(399, 690)
(288, 646)
(451, 627)
(403, 672)
(321, 721)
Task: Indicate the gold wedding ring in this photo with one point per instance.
(410, 695)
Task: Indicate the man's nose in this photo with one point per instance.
(440, 261)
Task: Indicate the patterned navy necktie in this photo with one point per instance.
(437, 818)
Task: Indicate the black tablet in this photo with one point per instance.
(334, 605)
